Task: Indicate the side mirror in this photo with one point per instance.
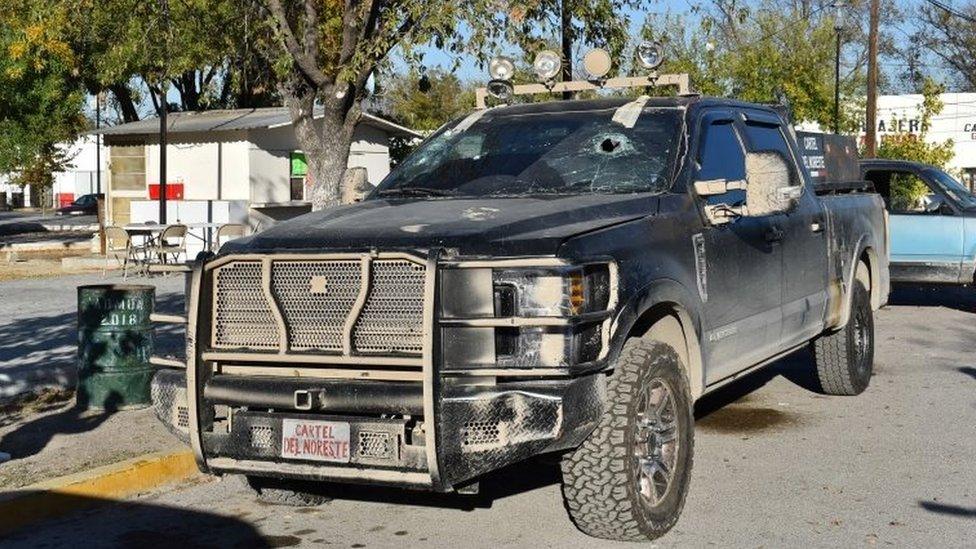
(935, 204)
(770, 187)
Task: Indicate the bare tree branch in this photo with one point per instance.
(305, 62)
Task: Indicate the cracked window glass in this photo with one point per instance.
(555, 152)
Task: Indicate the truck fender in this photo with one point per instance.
(870, 277)
(664, 310)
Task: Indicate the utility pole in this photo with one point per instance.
(98, 142)
(162, 116)
(99, 199)
(871, 123)
(838, 27)
(566, 42)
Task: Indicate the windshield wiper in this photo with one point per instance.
(414, 191)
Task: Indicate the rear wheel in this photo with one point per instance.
(845, 358)
(629, 479)
(287, 492)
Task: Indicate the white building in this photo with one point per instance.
(246, 161)
(957, 121)
(80, 178)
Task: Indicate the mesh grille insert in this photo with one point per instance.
(393, 318)
(480, 433)
(262, 436)
(375, 444)
(316, 299)
(243, 318)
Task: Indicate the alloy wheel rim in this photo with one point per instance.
(862, 339)
(655, 442)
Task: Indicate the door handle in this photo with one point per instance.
(774, 234)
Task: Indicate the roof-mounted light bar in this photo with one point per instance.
(597, 63)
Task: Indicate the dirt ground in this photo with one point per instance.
(38, 267)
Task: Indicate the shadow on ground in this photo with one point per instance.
(960, 298)
(130, 524)
(33, 436)
(948, 509)
(718, 412)
(42, 350)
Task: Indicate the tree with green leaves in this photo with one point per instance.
(41, 96)
(424, 101)
(763, 52)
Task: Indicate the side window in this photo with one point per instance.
(763, 137)
(720, 156)
(908, 193)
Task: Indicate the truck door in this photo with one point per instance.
(804, 240)
(742, 260)
(926, 244)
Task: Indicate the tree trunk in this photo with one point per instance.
(325, 141)
(123, 95)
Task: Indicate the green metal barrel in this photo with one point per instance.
(115, 341)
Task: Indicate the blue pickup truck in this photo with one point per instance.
(932, 239)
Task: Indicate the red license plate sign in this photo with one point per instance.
(315, 440)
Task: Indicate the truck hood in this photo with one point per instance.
(476, 226)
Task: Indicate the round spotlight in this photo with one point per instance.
(650, 55)
(597, 63)
(501, 68)
(500, 89)
(547, 65)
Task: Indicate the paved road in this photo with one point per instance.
(776, 465)
(38, 327)
(17, 222)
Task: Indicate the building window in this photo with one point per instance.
(298, 170)
(297, 188)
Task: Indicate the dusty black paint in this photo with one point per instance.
(768, 277)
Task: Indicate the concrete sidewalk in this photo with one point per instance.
(57, 439)
(38, 328)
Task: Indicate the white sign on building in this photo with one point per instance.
(957, 121)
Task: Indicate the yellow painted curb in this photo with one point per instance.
(88, 488)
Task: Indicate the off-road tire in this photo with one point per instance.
(845, 358)
(286, 492)
(599, 479)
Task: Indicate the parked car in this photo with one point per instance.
(564, 277)
(86, 204)
(932, 239)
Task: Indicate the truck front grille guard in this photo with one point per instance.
(200, 363)
(358, 345)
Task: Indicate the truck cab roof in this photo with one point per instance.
(683, 101)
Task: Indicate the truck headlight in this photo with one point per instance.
(551, 292)
(543, 316)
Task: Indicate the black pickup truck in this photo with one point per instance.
(563, 278)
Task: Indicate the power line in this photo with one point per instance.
(951, 11)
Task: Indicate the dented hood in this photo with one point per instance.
(476, 226)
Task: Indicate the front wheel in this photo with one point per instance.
(845, 358)
(629, 479)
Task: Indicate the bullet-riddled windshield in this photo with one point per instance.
(542, 153)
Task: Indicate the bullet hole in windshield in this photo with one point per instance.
(609, 144)
(612, 144)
